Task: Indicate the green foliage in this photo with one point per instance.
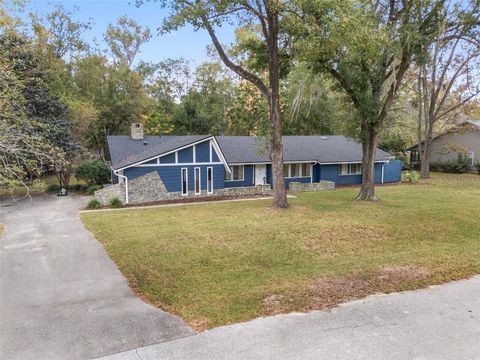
(412, 176)
(454, 167)
(115, 202)
(93, 172)
(93, 204)
(394, 144)
(92, 188)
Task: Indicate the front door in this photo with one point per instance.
(260, 174)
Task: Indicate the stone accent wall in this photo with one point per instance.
(150, 188)
(107, 193)
(316, 186)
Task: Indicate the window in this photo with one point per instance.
(210, 180)
(184, 181)
(236, 174)
(198, 189)
(305, 169)
(297, 170)
(470, 158)
(350, 169)
(294, 170)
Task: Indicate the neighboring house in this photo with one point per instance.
(153, 168)
(462, 140)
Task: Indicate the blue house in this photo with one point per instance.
(152, 168)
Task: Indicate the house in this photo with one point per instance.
(462, 141)
(154, 168)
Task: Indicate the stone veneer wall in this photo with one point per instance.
(107, 193)
(316, 186)
(150, 188)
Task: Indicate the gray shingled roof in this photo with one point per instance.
(324, 149)
(242, 149)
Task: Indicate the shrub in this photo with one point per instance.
(412, 176)
(93, 172)
(115, 202)
(93, 204)
(92, 188)
(53, 188)
(453, 167)
(38, 186)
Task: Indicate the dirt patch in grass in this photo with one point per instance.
(329, 292)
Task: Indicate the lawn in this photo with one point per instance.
(215, 264)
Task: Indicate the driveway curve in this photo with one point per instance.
(61, 297)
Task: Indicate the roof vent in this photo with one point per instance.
(145, 142)
(323, 137)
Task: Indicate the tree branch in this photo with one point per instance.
(254, 79)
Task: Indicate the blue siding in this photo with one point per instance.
(378, 173)
(168, 159)
(316, 173)
(269, 174)
(202, 152)
(330, 173)
(215, 157)
(186, 155)
(171, 175)
(393, 171)
(154, 161)
(247, 178)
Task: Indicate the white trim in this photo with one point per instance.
(117, 172)
(176, 157)
(220, 153)
(298, 177)
(211, 150)
(170, 152)
(181, 179)
(231, 174)
(350, 162)
(199, 180)
(473, 158)
(179, 164)
(348, 174)
(194, 153)
(383, 172)
(158, 161)
(211, 182)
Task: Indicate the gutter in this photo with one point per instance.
(116, 172)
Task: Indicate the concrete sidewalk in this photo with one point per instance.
(61, 297)
(437, 323)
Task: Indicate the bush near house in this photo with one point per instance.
(216, 264)
(115, 203)
(93, 172)
(93, 204)
(453, 167)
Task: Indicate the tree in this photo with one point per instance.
(125, 39)
(266, 16)
(367, 47)
(34, 132)
(448, 79)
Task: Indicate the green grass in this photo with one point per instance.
(215, 264)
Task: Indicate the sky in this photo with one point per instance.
(185, 42)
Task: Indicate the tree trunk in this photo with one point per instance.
(276, 143)
(276, 156)
(425, 160)
(369, 148)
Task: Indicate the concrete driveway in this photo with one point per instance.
(61, 297)
(439, 323)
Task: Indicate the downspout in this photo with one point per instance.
(383, 171)
(126, 184)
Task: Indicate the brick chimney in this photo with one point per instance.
(136, 131)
